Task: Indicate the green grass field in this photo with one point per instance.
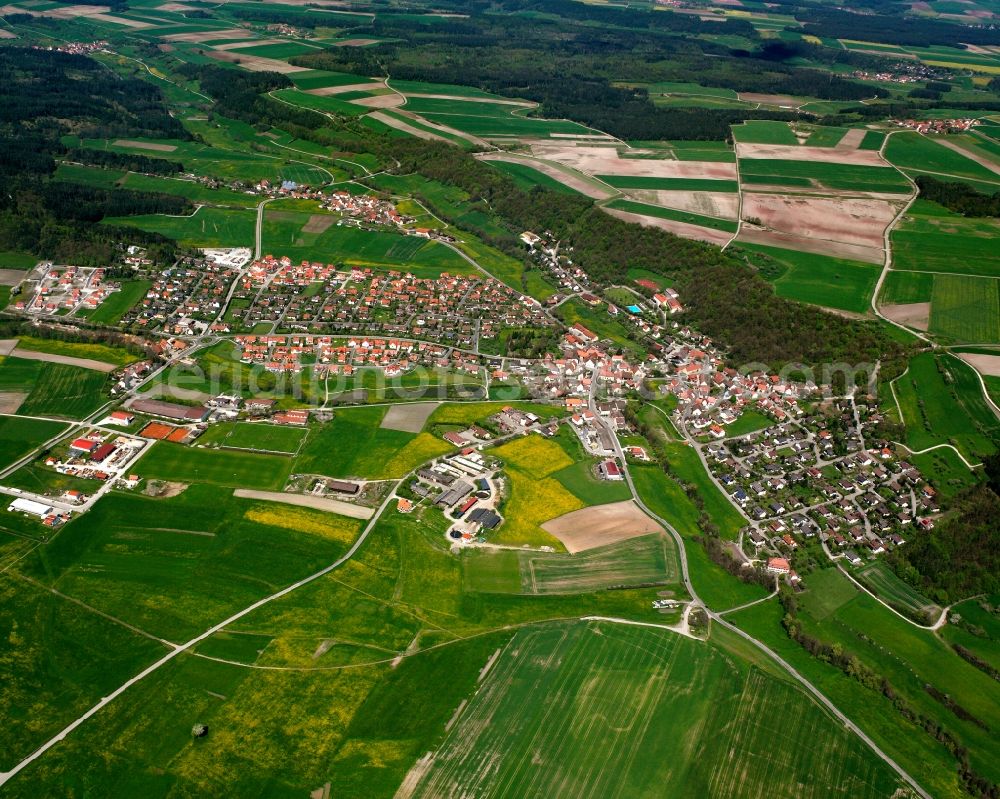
(527, 177)
(649, 560)
(63, 391)
(75, 349)
(668, 184)
(168, 461)
(930, 238)
(19, 436)
(916, 153)
(207, 227)
(907, 287)
(118, 304)
(666, 714)
(255, 436)
(353, 445)
(966, 309)
(820, 279)
(884, 582)
(846, 177)
(760, 131)
(942, 403)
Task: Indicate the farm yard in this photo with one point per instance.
(533, 723)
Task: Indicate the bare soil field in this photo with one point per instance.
(128, 23)
(688, 231)
(175, 7)
(852, 139)
(355, 42)
(958, 148)
(391, 100)
(988, 365)
(409, 417)
(307, 501)
(254, 63)
(848, 220)
(606, 161)
(326, 91)
(783, 100)
(577, 182)
(913, 314)
(7, 346)
(829, 155)
(7, 34)
(10, 401)
(399, 124)
(197, 37)
(318, 223)
(837, 249)
(247, 43)
(599, 525)
(144, 145)
(721, 204)
(83, 363)
(11, 277)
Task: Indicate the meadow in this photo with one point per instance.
(175, 566)
(942, 403)
(931, 238)
(666, 713)
(843, 177)
(649, 560)
(61, 390)
(668, 184)
(884, 583)
(19, 436)
(966, 309)
(284, 234)
(664, 496)
(260, 437)
(915, 153)
(760, 131)
(527, 177)
(907, 287)
(179, 463)
(354, 445)
(118, 304)
(820, 279)
(206, 227)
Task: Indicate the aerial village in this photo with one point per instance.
(813, 469)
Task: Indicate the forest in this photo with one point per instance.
(959, 197)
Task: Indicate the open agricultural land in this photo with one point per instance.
(549, 399)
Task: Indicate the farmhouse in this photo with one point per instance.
(171, 410)
(343, 487)
(609, 470)
(83, 445)
(778, 566)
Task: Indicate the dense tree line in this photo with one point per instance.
(44, 95)
(577, 72)
(131, 162)
(909, 31)
(960, 557)
(75, 201)
(959, 197)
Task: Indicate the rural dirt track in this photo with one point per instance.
(85, 363)
(575, 182)
(712, 236)
(306, 501)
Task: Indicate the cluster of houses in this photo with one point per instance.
(185, 298)
(815, 478)
(545, 251)
(74, 48)
(937, 125)
(328, 355)
(366, 209)
(315, 297)
(63, 290)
